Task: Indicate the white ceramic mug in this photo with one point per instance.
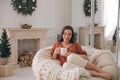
(63, 51)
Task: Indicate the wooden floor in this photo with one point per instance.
(21, 74)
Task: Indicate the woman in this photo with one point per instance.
(74, 49)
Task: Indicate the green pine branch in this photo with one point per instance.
(5, 45)
(87, 7)
(24, 7)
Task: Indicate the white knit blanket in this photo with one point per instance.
(45, 68)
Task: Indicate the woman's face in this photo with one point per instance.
(67, 35)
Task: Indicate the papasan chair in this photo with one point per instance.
(44, 68)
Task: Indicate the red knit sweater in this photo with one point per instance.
(74, 48)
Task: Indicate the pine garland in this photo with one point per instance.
(87, 7)
(25, 7)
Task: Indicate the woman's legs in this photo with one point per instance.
(91, 66)
(97, 72)
(78, 60)
(94, 70)
(106, 76)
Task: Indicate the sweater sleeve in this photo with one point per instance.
(53, 48)
(55, 45)
(80, 50)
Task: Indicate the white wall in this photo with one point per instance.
(49, 14)
(42, 17)
(78, 17)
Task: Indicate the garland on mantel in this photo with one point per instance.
(25, 7)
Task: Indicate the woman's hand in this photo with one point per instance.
(84, 56)
(56, 52)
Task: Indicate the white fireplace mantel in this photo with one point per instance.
(21, 34)
(84, 34)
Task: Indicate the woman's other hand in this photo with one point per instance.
(84, 56)
(57, 50)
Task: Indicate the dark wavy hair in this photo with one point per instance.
(61, 35)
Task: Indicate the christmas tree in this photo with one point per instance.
(87, 7)
(114, 37)
(4, 45)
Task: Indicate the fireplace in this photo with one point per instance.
(84, 35)
(25, 40)
(28, 45)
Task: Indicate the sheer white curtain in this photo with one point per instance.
(110, 17)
